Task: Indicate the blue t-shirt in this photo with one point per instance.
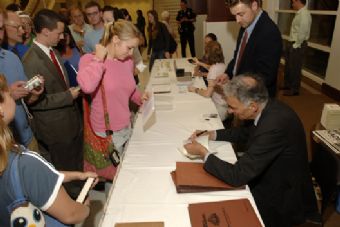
(11, 67)
(40, 183)
(92, 38)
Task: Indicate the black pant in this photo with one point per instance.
(66, 156)
(188, 37)
(294, 59)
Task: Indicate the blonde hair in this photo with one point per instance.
(6, 138)
(124, 29)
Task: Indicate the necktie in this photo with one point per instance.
(56, 64)
(242, 47)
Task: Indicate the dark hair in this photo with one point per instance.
(125, 12)
(153, 28)
(185, 2)
(139, 12)
(119, 14)
(46, 18)
(61, 47)
(108, 8)
(303, 2)
(92, 4)
(13, 7)
(233, 3)
(212, 36)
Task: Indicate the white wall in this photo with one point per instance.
(226, 33)
(199, 35)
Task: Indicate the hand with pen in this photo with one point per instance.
(196, 148)
(198, 133)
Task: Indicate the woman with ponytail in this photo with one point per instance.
(111, 66)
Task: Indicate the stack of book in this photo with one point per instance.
(191, 177)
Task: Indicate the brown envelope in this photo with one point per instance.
(140, 224)
(191, 177)
(229, 213)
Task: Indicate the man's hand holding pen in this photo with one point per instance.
(198, 133)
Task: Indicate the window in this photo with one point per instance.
(323, 21)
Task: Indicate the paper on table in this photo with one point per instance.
(203, 140)
(148, 113)
(161, 88)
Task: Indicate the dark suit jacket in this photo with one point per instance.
(262, 53)
(56, 117)
(275, 166)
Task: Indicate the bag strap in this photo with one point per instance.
(106, 113)
(16, 185)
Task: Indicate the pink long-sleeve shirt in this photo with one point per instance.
(119, 87)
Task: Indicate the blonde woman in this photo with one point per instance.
(112, 67)
(215, 58)
(40, 182)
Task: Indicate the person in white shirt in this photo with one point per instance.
(215, 59)
(299, 34)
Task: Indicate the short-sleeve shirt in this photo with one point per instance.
(214, 71)
(40, 183)
(186, 26)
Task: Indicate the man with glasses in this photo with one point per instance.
(12, 69)
(94, 16)
(78, 27)
(14, 32)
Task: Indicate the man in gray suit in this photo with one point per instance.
(57, 121)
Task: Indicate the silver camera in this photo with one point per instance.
(34, 82)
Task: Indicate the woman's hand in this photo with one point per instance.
(100, 52)
(145, 97)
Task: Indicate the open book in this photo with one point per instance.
(235, 213)
(191, 177)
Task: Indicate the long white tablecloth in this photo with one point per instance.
(143, 189)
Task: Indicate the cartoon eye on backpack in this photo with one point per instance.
(27, 216)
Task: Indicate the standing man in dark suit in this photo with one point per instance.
(275, 164)
(259, 44)
(57, 121)
(185, 19)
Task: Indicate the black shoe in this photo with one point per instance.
(290, 93)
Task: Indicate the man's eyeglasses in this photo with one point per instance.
(92, 14)
(17, 26)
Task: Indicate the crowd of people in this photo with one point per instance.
(97, 52)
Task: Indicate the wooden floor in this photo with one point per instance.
(308, 105)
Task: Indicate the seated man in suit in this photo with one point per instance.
(275, 164)
(259, 44)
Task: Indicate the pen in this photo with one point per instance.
(201, 133)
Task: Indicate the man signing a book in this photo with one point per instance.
(275, 164)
